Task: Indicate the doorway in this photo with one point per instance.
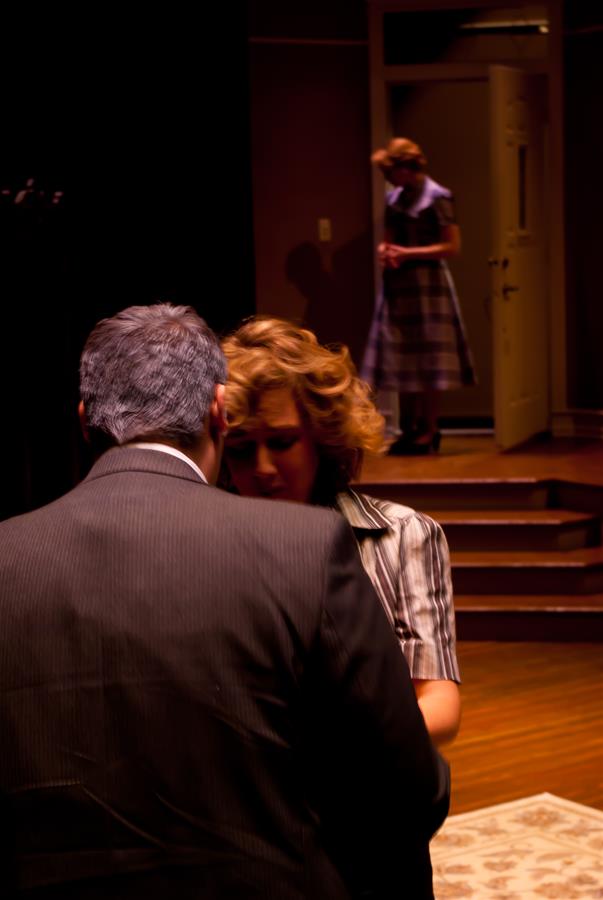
(450, 121)
(437, 82)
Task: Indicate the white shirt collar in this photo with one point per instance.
(173, 451)
(430, 191)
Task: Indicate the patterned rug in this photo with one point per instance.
(534, 848)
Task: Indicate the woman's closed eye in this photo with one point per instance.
(240, 449)
(282, 442)
(277, 443)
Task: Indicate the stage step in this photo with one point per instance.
(527, 550)
(465, 493)
(528, 617)
(519, 529)
(528, 572)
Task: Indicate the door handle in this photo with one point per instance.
(509, 289)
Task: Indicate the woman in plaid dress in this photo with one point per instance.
(417, 345)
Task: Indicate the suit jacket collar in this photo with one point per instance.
(132, 459)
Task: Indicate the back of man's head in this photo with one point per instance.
(150, 372)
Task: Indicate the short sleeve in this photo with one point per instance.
(444, 210)
(425, 615)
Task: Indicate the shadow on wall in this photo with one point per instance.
(340, 296)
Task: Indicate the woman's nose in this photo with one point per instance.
(264, 464)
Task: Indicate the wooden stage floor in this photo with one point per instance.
(532, 721)
(476, 456)
(532, 712)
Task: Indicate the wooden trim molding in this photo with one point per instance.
(308, 42)
(556, 214)
(439, 5)
(586, 423)
(380, 129)
(436, 72)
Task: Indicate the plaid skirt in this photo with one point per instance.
(417, 339)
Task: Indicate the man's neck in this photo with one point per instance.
(196, 461)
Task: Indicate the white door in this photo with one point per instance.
(519, 285)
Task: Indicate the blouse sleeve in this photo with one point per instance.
(424, 618)
(444, 210)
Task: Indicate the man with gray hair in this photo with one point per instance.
(200, 695)
(155, 372)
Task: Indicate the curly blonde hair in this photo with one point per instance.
(266, 353)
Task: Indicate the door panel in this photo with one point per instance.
(519, 293)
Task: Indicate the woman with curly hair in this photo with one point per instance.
(300, 421)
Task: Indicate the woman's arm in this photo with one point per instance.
(440, 703)
(449, 245)
(425, 624)
(383, 248)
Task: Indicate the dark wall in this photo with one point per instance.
(311, 148)
(138, 126)
(583, 47)
(308, 19)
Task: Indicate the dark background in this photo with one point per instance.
(147, 141)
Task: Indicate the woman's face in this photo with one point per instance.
(404, 176)
(273, 454)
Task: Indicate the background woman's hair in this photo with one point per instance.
(400, 151)
(267, 353)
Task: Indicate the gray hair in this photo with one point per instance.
(150, 372)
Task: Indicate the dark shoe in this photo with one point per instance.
(424, 448)
(402, 446)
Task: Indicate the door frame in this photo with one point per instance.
(383, 77)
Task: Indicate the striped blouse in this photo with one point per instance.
(406, 557)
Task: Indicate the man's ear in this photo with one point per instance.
(81, 411)
(217, 412)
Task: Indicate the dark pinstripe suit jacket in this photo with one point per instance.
(201, 697)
